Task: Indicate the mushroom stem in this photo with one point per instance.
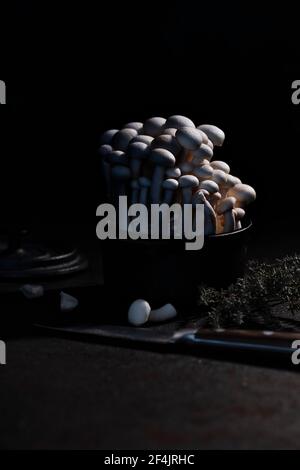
(163, 314)
(229, 221)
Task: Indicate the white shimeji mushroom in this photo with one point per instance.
(202, 152)
(122, 139)
(209, 214)
(214, 133)
(210, 186)
(203, 172)
(177, 121)
(107, 136)
(187, 184)
(162, 159)
(144, 184)
(189, 138)
(137, 153)
(145, 139)
(174, 173)
(138, 126)
(225, 208)
(239, 214)
(170, 131)
(219, 165)
(154, 126)
(230, 183)
(139, 312)
(167, 312)
(117, 157)
(170, 187)
(168, 142)
(243, 193)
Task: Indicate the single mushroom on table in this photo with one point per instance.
(144, 185)
(122, 139)
(243, 193)
(225, 209)
(167, 312)
(187, 184)
(170, 187)
(107, 136)
(162, 159)
(154, 126)
(209, 214)
(137, 153)
(139, 312)
(214, 134)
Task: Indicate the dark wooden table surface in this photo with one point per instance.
(64, 394)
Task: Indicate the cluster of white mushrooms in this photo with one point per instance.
(171, 160)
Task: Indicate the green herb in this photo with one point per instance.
(262, 286)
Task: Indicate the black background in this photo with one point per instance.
(74, 70)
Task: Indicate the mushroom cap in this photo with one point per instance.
(232, 181)
(219, 177)
(107, 136)
(139, 312)
(122, 138)
(168, 142)
(134, 125)
(188, 181)
(162, 157)
(243, 193)
(204, 171)
(225, 205)
(189, 137)
(146, 139)
(214, 133)
(170, 184)
(239, 213)
(104, 150)
(210, 144)
(134, 184)
(177, 121)
(210, 186)
(219, 165)
(170, 131)
(120, 172)
(144, 182)
(153, 126)
(204, 151)
(116, 157)
(173, 172)
(137, 150)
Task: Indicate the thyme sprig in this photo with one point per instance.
(263, 285)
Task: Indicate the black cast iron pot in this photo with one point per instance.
(162, 271)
